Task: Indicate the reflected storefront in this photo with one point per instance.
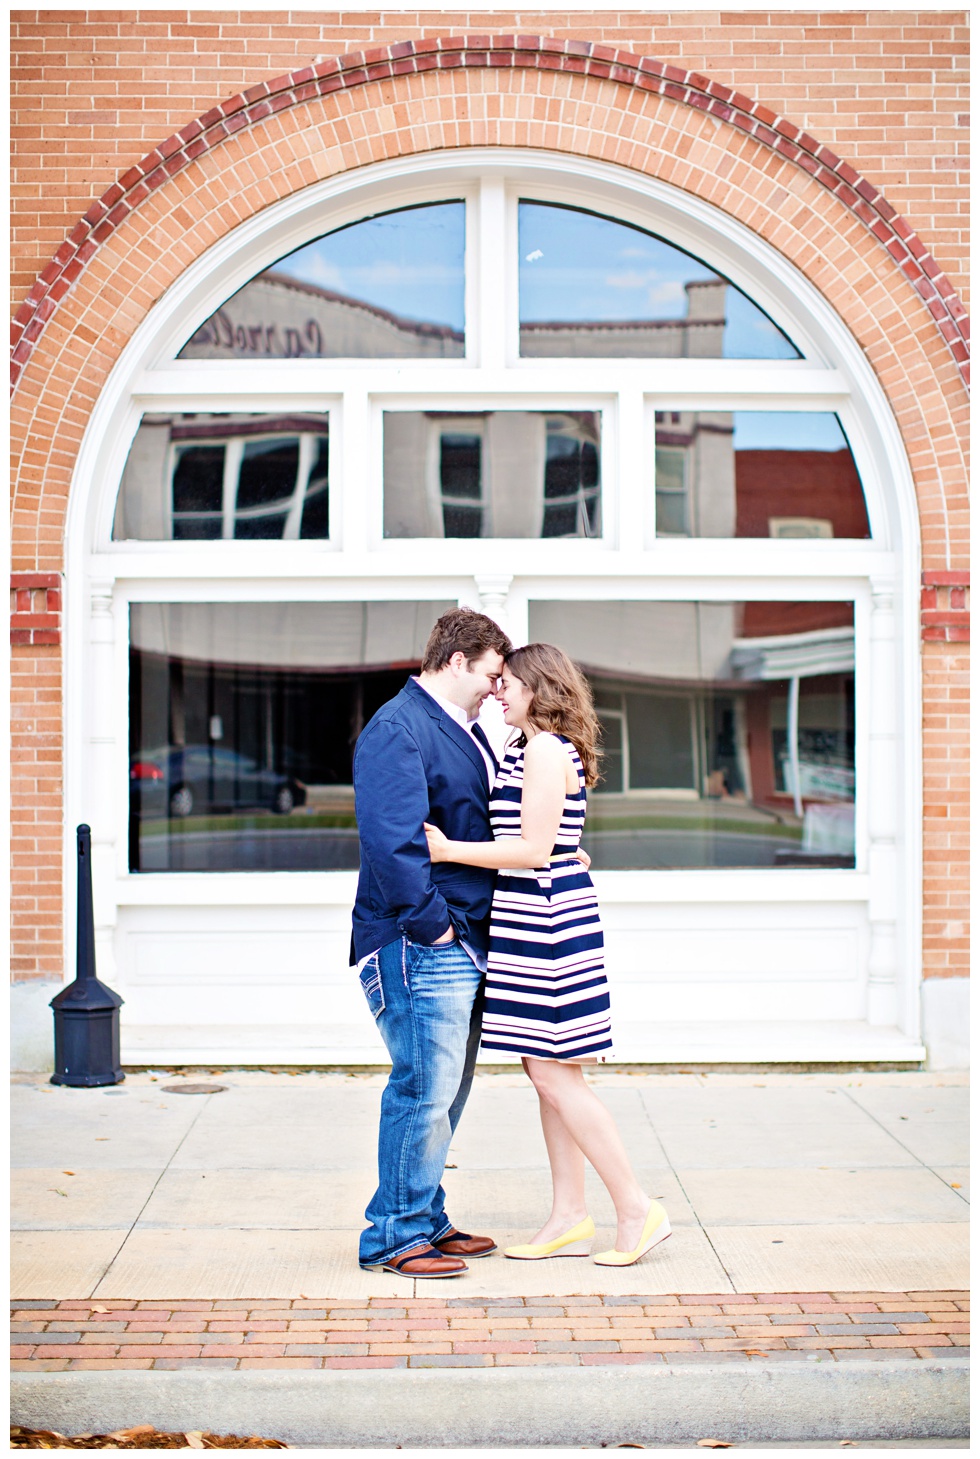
(725, 743)
(243, 720)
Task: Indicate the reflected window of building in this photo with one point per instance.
(498, 473)
(243, 719)
(728, 730)
(591, 286)
(203, 477)
(671, 491)
(756, 473)
(386, 287)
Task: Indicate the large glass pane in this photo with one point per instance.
(243, 719)
(756, 473)
(728, 730)
(237, 475)
(495, 473)
(387, 287)
(592, 286)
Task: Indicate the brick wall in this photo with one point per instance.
(95, 91)
(36, 755)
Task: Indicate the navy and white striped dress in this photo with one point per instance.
(546, 992)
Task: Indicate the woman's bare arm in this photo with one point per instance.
(542, 803)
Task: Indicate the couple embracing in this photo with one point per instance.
(476, 920)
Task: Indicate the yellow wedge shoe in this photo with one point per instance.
(656, 1228)
(576, 1242)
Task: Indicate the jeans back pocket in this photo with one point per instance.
(370, 976)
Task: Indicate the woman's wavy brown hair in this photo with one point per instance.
(561, 700)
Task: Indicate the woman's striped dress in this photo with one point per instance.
(546, 992)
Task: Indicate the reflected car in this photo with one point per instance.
(181, 780)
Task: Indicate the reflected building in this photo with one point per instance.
(778, 474)
(498, 473)
(698, 334)
(278, 317)
(209, 477)
(728, 728)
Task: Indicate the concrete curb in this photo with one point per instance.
(517, 1407)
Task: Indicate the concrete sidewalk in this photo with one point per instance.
(819, 1220)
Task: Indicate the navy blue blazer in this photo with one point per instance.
(414, 763)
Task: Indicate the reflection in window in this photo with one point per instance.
(243, 719)
(728, 730)
(756, 473)
(388, 287)
(503, 473)
(210, 477)
(591, 286)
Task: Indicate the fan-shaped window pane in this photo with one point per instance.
(494, 473)
(201, 477)
(591, 286)
(756, 473)
(388, 287)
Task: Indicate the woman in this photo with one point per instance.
(547, 998)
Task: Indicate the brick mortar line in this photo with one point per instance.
(404, 58)
(446, 1332)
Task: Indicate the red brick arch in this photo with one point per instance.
(406, 58)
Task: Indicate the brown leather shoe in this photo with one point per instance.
(460, 1243)
(425, 1261)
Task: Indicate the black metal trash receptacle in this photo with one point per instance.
(86, 1013)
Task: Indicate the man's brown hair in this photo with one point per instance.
(465, 631)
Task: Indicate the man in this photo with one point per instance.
(421, 933)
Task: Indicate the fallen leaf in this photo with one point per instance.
(755, 1352)
(713, 1444)
(852, 1443)
(68, 1172)
(132, 1433)
(955, 1185)
(195, 1439)
(58, 1191)
(101, 1309)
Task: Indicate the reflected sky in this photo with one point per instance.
(788, 430)
(581, 267)
(408, 262)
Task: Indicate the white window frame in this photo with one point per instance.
(627, 561)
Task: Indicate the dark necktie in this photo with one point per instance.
(478, 734)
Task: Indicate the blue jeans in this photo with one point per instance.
(427, 1004)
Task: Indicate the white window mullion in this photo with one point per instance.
(633, 455)
(496, 314)
(357, 478)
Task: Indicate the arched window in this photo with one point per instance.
(591, 406)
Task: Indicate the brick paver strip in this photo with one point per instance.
(434, 1332)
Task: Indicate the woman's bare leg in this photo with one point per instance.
(567, 1177)
(577, 1115)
